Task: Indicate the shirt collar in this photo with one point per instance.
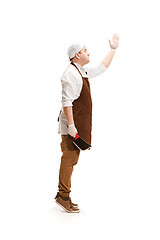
(82, 70)
(78, 65)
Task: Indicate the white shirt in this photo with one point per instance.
(72, 84)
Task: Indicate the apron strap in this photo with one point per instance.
(77, 69)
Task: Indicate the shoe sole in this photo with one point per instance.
(66, 209)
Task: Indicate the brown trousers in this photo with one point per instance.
(70, 155)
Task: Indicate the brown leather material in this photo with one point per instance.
(75, 205)
(66, 198)
(82, 110)
(66, 205)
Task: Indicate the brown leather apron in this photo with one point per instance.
(82, 110)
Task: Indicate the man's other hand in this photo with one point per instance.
(72, 130)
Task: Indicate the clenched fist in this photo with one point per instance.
(115, 41)
(72, 131)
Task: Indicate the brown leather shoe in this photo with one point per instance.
(66, 205)
(73, 204)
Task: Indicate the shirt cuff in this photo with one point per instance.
(67, 103)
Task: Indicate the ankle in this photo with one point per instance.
(64, 198)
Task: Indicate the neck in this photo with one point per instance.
(78, 62)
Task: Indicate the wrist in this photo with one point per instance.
(113, 49)
(70, 125)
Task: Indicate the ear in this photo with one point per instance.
(77, 55)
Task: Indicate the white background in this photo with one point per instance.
(117, 183)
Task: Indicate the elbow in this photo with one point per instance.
(67, 103)
(106, 64)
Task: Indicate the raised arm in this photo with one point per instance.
(104, 64)
(113, 44)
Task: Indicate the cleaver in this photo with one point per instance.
(80, 143)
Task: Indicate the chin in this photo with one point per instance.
(87, 61)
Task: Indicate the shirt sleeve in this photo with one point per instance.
(69, 87)
(95, 71)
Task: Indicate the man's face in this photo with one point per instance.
(84, 55)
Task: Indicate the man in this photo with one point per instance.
(76, 114)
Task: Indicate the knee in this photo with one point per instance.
(77, 152)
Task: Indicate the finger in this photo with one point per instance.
(116, 39)
(115, 35)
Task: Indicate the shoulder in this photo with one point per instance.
(71, 70)
(70, 73)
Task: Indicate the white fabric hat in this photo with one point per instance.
(73, 49)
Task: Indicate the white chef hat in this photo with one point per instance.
(73, 49)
